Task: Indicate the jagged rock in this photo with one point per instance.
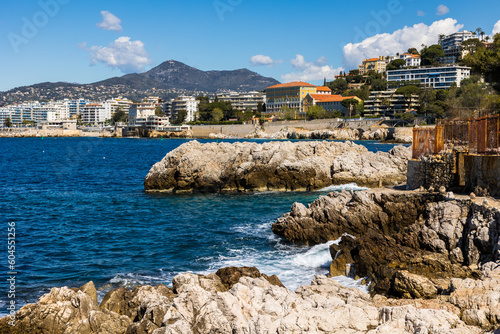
(253, 305)
(213, 167)
(89, 289)
(120, 301)
(231, 275)
(426, 234)
(410, 285)
(371, 169)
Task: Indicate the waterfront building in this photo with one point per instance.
(289, 95)
(373, 64)
(243, 101)
(187, 103)
(388, 103)
(329, 102)
(33, 111)
(452, 46)
(436, 77)
(95, 113)
(157, 123)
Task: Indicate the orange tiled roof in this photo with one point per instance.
(330, 98)
(371, 59)
(292, 84)
(415, 56)
(323, 89)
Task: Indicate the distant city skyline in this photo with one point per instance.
(88, 41)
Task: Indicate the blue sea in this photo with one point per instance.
(81, 214)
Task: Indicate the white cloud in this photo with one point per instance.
(442, 9)
(308, 71)
(399, 41)
(420, 13)
(124, 54)
(261, 60)
(109, 22)
(496, 28)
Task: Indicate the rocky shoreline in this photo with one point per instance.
(242, 300)
(274, 166)
(431, 259)
(440, 247)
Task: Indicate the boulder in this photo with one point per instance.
(214, 167)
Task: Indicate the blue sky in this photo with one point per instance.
(86, 41)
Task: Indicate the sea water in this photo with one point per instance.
(81, 214)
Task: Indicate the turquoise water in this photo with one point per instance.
(81, 214)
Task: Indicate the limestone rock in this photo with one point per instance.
(282, 166)
(425, 234)
(371, 169)
(413, 286)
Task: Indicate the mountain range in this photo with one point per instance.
(169, 78)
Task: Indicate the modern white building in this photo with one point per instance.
(187, 103)
(31, 112)
(95, 113)
(436, 77)
(452, 46)
(388, 103)
(411, 60)
(242, 101)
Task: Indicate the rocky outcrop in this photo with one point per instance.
(383, 134)
(394, 234)
(279, 166)
(251, 305)
(371, 169)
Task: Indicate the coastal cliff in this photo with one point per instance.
(277, 166)
(241, 300)
(410, 245)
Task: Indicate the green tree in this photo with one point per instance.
(287, 113)
(7, 122)
(261, 107)
(413, 51)
(378, 84)
(349, 104)
(217, 114)
(408, 92)
(316, 112)
(430, 54)
(408, 117)
(338, 86)
(181, 117)
(119, 116)
(396, 64)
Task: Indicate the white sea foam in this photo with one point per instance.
(348, 186)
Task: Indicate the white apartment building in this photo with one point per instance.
(411, 60)
(188, 103)
(452, 46)
(436, 77)
(388, 103)
(242, 101)
(95, 113)
(31, 111)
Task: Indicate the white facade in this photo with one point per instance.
(242, 101)
(188, 103)
(436, 77)
(95, 113)
(452, 46)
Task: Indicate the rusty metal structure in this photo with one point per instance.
(475, 136)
